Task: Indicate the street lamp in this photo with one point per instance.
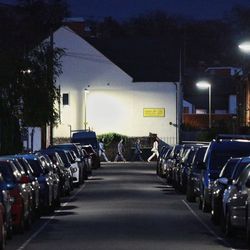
(85, 108)
(206, 85)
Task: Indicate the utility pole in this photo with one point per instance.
(51, 76)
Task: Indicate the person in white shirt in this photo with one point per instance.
(154, 150)
(102, 151)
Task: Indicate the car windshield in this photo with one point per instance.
(218, 159)
(27, 168)
(228, 169)
(35, 166)
(5, 169)
(64, 157)
(239, 168)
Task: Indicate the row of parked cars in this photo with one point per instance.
(33, 184)
(216, 175)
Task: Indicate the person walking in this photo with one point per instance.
(137, 153)
(120, 149)
(102, 151)
(154, 150)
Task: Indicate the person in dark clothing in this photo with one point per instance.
(137, 153)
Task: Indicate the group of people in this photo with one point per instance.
(137, 156)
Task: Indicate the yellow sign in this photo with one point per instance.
(154, 112)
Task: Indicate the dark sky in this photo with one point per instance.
(123, 9)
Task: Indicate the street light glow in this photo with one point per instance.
(203, 85)
(245, 47)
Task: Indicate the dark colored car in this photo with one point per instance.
(2, 226)
(45, 182)
(236, 204)
(79, 158)
(184, 166)
(63, 173)
(71, 167)
(229, 172)
(34, 184)
(171, 162)
(84, 137)
(218, 153)
(7, 202)
(193, 175)
(163, 156)
(93, 154)
(52, 173)
(14, 183)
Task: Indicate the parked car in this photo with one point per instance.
(14, 183)
(45, 181)
(161, 163)
(93, 154)
(34, 184)
(217, 154)
(72, 166)
(6, 200)
(2, 226)
(193, 175)
(86, 137)
(184, 166)
(236, 204)
(79, 159)
(64, 174)
(170, 163)
(229, 172)
(52, 172)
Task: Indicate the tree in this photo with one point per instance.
(24, 27)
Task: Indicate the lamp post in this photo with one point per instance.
(207, 85)
(85, 108)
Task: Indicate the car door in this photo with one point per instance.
(239, 198)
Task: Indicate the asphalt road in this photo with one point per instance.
(125, 206)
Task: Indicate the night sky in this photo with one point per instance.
(123, 9)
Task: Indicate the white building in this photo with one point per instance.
(97, 93)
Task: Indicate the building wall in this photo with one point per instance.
(114, 102)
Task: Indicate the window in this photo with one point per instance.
(65, 99)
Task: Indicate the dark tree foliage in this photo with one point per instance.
(24, 27)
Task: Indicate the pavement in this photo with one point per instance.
(125, 206)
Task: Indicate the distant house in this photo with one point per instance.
(96, 94)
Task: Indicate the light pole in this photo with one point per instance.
(85, 108)
(207, 85)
